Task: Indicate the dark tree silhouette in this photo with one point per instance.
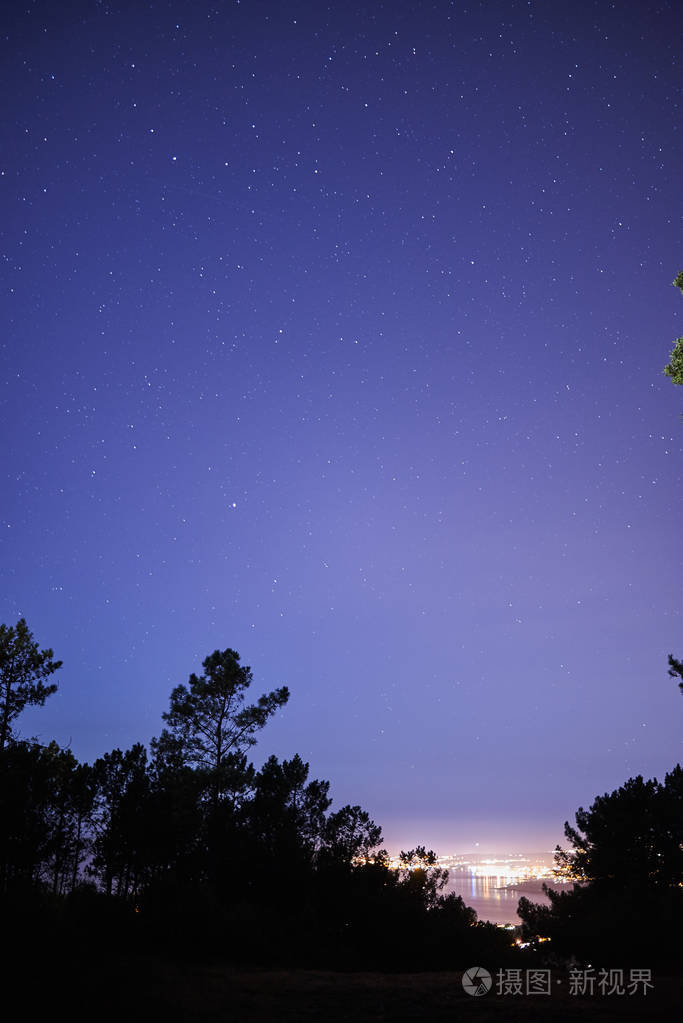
(24, 786)
(420, 876)
(23, 668)
(287, 812)
(69, 802)
(627, 836)
(675, 367)
(627, 862)
(121, 856)
(676, 670)
(350, 836)
(216, 857)
(208, 726)
(45, 801)
(174, 822)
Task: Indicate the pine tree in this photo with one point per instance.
(23, 667)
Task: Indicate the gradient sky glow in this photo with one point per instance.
(334, 333)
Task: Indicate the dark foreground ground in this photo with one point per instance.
(154, 990)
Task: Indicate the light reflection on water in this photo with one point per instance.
(487, 896)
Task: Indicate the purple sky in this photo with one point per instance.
(334, 333)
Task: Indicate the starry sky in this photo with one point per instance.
(334, 333)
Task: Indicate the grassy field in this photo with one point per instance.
(154, 990)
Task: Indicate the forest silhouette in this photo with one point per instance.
(189, 849)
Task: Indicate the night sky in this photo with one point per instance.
(334, 333)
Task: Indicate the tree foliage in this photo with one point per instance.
(23, 669)
(674, 369)
(626, 859)
(420, 876)
(209, 727)
(349, 836)
(630, 835)
(45, 801)
(121, 858)
(287, 812)
(676, 670)
(201, 853)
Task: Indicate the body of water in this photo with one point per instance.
(490, 899)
